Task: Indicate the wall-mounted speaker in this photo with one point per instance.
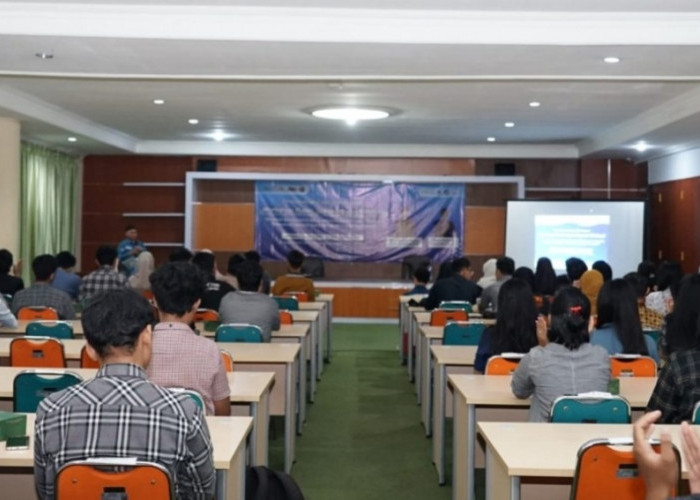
(206, 165)
(504, 169)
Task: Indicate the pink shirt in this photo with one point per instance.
(182, 358)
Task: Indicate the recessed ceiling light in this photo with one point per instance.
(193, 121)
(350, 115)
(611, 60)
(44, 55)
(491, 139)
(641, 146)
(159, 101)
(509, 124)
(72, 139)
(219, 135)
(535, 104)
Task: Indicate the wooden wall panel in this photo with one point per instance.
(120, 198)
(118, 169)
(365, 302)
(224, 226)
(485, 229)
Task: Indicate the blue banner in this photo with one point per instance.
(359, 221)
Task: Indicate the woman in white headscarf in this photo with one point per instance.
(489, 277)
(144, 267)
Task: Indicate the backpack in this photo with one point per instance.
(263, 483)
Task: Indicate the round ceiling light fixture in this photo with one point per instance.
(611, 60)
(350, 115)
(641, 146)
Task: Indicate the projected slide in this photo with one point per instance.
(561, 236)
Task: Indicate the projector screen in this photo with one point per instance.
(612, 231)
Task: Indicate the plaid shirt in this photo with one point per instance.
(43, 294)
(120, 413)
(650, 319)
(678, 387)
(105, 278)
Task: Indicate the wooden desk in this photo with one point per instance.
(311, 317)
(323, 323)
(404, 327)
(327, 298)
(472, 391)
(508, 460)
(228, 435)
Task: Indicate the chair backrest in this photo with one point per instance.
(37, 312)
(300, 296)
(55, 329)
(440, 317)
(462, 333)
(289, 303)
(94, 477)
(456, 304)
(31, 386)
(238, 332)
(196, 397)
(227, 360)
(584, 409)
(286, 317)
(37, 352)
(86, 361)
(607, 469)
(206, 315)
(632, 366)
(503, 364)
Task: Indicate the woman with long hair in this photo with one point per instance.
(682, 324)
(567, 364)
(545, 277)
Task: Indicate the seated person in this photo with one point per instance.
(294, 280)
(456, 287)
(41, 293)
(651, 320)
(266, 281)
(618, 329)
(248, 304)
(10, 282)
(505, 267)
(215, 289)
(106, 277)
(566, 363)
(516, 324)
(421, 277)
(7, 319)
(90, 419)
(575, 268)
(181, 358)
(140, 280)
(129, 249)
(181, 254)
(65, 279)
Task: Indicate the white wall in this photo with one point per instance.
(675, 167)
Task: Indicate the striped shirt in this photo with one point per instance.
(121, 414)
(105, 278)
(43, 294)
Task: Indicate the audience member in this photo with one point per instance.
(526, 274)
(181, 358)
(7, 319)
(10, 282)
(505, 267)
(233, 262)
(575, 267)
(668, 278)
(294, 281)
(488, 277)
(516, 324)
(561, 281)
(682, 323)
(266, 279)
(457, 287)
(247, 304)
(421, 277)
(120, 413)
(215, 289)
(567, 363)
(144, 268)
(590, 284)
(651, 320)
(105, 277)
(129, 249)
(545, 277)
(446, 270)
(41, 293)
(618, 329)
(181, 254)
(64, 278)
(648, 269)
(603, 268)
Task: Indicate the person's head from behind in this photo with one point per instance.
(639, 284)
(445, 270)
(647, 268)
(545, 277)
(233, 262)
(181, 254)
(505, 266)
(5, 261)
(131, 232)
(525, 273)
(65, 260)
(515, 320)
(603, 268)
(668, 276)
(117, 325)
(44, 266)
(421, 276)
(252, 255)
(683, 325)
(569, 317)
(561, 281)
(617, 306)
(178, 288)
(590, 284)
(575, 267)
(205, 261)
(106, 255)
(462, 267)
(295, 259)
(249, 276)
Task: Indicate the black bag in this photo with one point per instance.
(263, 483)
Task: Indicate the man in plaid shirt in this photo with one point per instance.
(41, 293)
(120, 413)
(106, 277)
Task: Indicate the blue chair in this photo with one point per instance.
(288, 303)
(196, 397)
(654, 334)
(462, 333)
(456, 304)
(31, 386)
(696, 414)
(590, 409)
(53, 329)
(238, 332)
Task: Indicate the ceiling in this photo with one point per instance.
(452, 72)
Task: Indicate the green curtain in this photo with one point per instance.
(49, 196)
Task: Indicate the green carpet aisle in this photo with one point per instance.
(362, 438)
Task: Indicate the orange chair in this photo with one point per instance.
(148, 295)
(37, 312)
(632, 366)
(93, 477)
(207, 315)
(440, 317)
(86, 361)
(607, 469)
(503, 364)
(37, 352)
(300, 296)
(286, 317)
(227, 360)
